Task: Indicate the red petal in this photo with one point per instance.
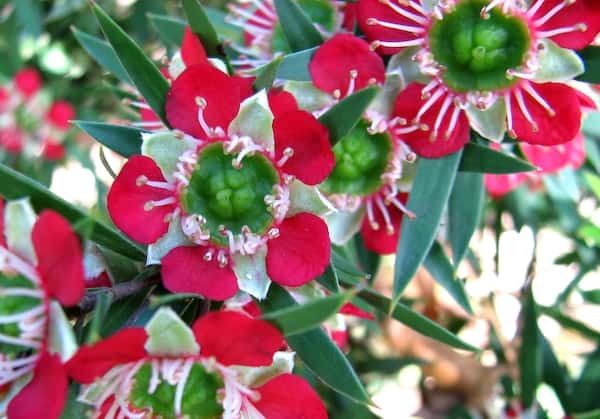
(44, 396)
(60, 114)
(313, 159)
(221, 93)
(586, 102)
(11, 140)
(499, 185)
(192, 50)
(93, 361)
(52, 151)
(379, 241)
(289, 397)
(350, 16)
(554, 158)
(376, 9)
(340, 337)
(281, 102)
(586, 12)
(2, 237)
(61, 267)
(28, 81)
(423, 142)
(350, 309)
(252, 309)
(126, 200)
(184, 269)
(245, 84)
(551, 130)
(236, 339)
(301, 252)
(331, 65)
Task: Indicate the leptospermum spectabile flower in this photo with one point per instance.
(495, 66)
(226, 201)
(227, 365)
(35, 337)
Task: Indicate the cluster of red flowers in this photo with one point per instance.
(30, 123)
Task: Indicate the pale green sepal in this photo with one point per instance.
(491, 123)
(557, 64)
(93, 261)
(403, 65)
(429, 5)
(251, 272)
(219, 65)
(168, 335)
(19, 218)
(308, 96)
(255, 120)
(62, 337)
(253, 377)
(344, 224)
(304, 198)
(386, 96)
(176, 65)
(172, 239)
(165, 149)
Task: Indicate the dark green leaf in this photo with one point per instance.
(295, 66)
(530, 352)
(125, 141)
(146, 77)
(414, 320)
(14, 185)
(102, 52)
(29, 14)
(591, 57)
(592, 296)
(430, 193)
(169, 29)
(201, 26)
(441, 269)
(297, 27)
(318, 352)
(343, 117)
(482, 159)
(570, 323)
(300, 318)
(585, 389)
(464, 211)
(265, 75)
(555, 374)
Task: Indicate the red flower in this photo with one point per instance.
(60, 114)
(58, 275)
(227, 340)
(240, 207)
(28, 82)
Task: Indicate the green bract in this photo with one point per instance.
(476, 51)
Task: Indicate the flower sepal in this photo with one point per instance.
(254, 120)
(489, 123)
(304, 198)
(165, 148)
(61, 337)
(19, 218)
(251, 271)
(557, 64)
(169, 336)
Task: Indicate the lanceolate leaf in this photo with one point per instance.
(591, 58)
(201, 26)
(145, 75)
(169, 29)
(102, 52)
(300, 318)
(297, 26)
(295, 66)
(441, 269)
(481, 159)
(464, 212)
(555, 375)
(530, 353)
(344, 116)
(15, 185)
(318, 352)
(125, 141)
(265, 75)
(430, 193)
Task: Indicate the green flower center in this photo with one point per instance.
(477, 50)
(199, 394)
(228, 197)
(360, 161)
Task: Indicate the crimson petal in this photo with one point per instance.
(281, 102)
(236, 339)
(60, 267)
(126, 201)
(554, 158)
(378, 240)
(192, 51)
(184, 269)
(60, 114)
(301, 251)
(499, 185)
(28, 82)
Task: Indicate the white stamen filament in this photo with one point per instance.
(287, 153)
(397, 44)
(370, 216)
(21, 292)
(262, 6)
(440, 117)
(236, 10)
(183, 377)
(565, 29)
(453, 122)
(352, 82)
(552, 12)
(396, 26)
(194, 227)
(509, 121)
(389, 227)
(14, 318)
(11, 262)
(19, 341)
(150, 205)
(403, 12)
(536, 96)
(525, 111)
(429, 103)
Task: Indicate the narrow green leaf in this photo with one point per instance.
(430, 193)
(570, 323)
(169, 29)
(295, 66)
(102, 52)
(438, 265)
(103, 303)
(592, 296)
(29, 14)
(481, 159)
(530, 352)
(554, 374)
(301, 318)
(146, 77)
(265, 75)
(15, 185)
(123, 140)
(202, 26)
(591, 58)
(318, 352)
(464, 211)
(414, 320)
(344, 116)
(297, 27)
(585, 389)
